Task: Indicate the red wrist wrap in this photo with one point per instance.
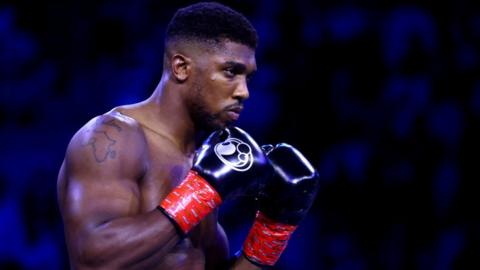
(266, 240)
(191, 201)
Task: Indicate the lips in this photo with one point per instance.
(233, 115)
(234, 112)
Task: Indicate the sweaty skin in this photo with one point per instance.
(115, 174)
(121, 165)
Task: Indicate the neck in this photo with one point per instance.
(167, 115)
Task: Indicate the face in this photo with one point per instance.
(219, 84)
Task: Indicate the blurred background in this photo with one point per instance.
(382, 96)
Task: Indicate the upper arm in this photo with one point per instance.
(103, 163)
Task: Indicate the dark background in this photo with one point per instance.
(382, 96)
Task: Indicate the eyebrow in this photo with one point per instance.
(239, 67)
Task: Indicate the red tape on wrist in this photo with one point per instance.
(191, 201)
(266, 240)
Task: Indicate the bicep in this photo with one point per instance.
(101, 173)
(93, 201)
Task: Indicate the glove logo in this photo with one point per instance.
(235, 154)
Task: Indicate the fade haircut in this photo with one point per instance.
(210, 22)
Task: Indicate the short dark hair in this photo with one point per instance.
(211, 21)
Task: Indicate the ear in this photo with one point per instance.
(181, 66)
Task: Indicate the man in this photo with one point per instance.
(133, 191)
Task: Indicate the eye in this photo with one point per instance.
(229, 72)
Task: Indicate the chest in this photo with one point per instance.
(165, 171)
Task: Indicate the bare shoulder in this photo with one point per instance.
(99, 178)
(111, 140)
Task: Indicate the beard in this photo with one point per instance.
(203, 119)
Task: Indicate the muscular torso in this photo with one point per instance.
(164, 166)
(165, 170)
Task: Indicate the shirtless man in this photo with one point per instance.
(140, 189)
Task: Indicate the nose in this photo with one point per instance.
(241, 92)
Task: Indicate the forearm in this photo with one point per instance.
(128, 243)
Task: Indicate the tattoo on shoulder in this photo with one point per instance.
(102, 144)
(113, 124)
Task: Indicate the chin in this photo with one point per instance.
(214, 122)
(212, 126)
(226, 122)
(220, 125)
(230, 124)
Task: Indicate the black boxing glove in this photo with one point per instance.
(228, 164)
(285, 201)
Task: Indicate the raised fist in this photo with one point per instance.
(285, 201)
(228, 164)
